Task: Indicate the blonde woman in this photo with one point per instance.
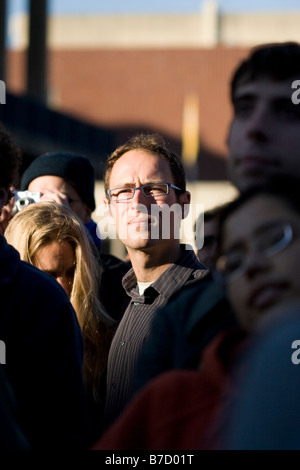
(51, 237)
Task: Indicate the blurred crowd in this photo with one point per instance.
(175, 348)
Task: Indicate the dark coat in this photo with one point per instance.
(181, 330)
(11, 436)
(112, 293)
(44, 354)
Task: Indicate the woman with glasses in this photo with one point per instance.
(259, 253)
(259, 263)
(260, 250)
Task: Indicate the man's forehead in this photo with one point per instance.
(265, 87)
(146, 165)
(51, 182)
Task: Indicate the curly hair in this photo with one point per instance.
(10, 159)
(43, 223)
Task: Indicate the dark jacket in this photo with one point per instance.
(11, 436)
(112, 293)
(182, 328)
(177, 409)
(44, 354)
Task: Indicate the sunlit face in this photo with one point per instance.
(266, 282)
(58, 260)
(55, 188)
(264, 137)
(144, 221)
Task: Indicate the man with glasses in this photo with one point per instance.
(197, 409)
(146, 200)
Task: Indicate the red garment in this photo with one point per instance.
(175, 410)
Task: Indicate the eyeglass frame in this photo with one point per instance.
(169, 185)
(287, 239)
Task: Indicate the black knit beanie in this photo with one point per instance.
(76, 169)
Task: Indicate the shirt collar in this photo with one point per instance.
(186, 268)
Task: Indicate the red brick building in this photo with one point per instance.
(144, 89)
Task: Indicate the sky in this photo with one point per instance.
(155, 6)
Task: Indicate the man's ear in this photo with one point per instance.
(185, 200)
(109, 212)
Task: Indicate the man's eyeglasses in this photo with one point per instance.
(155, 190)
(268, 241)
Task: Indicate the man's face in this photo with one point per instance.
(264, 137)
(142, 221)
(56, 189)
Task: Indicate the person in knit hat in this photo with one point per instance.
(68, 178)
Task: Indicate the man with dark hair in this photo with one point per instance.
(263, 140)
(43, 341)
(146, 200)
(264, 136)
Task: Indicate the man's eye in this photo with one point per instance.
(124, 191)
(243, 107)
(121, 192)
(156, 188)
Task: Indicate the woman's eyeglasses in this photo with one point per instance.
(268, 241)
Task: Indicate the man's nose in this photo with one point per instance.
(259, 124)
(139, 196)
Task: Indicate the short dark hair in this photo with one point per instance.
(10, 159)
(154, 144)
(277, 61)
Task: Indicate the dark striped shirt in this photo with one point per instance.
(136, 323)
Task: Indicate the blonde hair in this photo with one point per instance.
(42, 223)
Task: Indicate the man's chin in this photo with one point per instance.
(140, 243)
(245, 181)
(136, 241)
